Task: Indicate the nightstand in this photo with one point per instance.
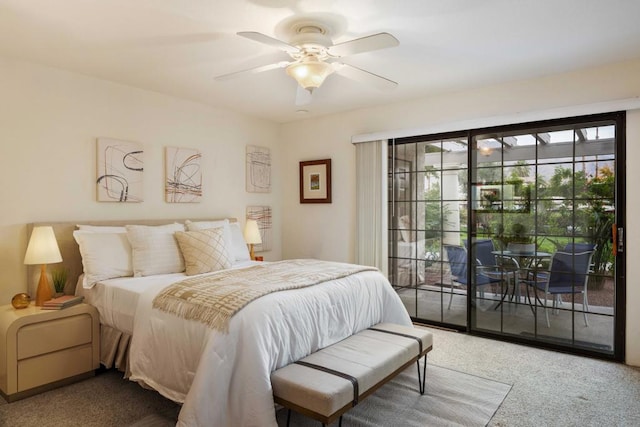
(44, 349)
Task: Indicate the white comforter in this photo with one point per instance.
(224, 379)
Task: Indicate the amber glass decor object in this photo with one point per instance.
(21, 300)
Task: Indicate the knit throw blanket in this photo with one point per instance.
(214, 299)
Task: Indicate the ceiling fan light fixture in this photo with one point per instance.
(309, 72)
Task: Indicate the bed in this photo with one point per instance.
(222, 377)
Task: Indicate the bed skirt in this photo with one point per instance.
(114, 349)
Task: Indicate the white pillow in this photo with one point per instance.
(238, 244)
(104, 256)
(204, 225)
(204, 251)
(102, 228)
(154, 249)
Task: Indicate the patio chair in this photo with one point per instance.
(568, 274)
(483, 252)
(457, 256)
(579, 247)
(582, 247)
(572, 248)
(495, 266)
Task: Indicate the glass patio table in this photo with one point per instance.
(523, 261)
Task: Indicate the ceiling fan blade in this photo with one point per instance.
(364, 44)
(254, 70)
(360, 75)
(262, 38)
(303, 96)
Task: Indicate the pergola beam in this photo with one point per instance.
(543, 138)
(581, 134)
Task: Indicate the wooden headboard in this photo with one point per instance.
(70, 252)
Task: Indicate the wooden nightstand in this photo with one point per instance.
(44, 349)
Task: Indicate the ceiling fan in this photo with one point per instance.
(314, 56)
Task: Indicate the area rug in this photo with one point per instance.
(452, 398)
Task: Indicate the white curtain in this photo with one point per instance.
(371, 204)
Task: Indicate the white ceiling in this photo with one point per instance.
(178, 46)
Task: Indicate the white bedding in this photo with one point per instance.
(224, 379)
(117, 299)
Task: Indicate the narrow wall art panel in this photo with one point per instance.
(119, 171)
(258, 169)
(262, 215)
(183, 175)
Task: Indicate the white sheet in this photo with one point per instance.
(117, 299)
(224, 379)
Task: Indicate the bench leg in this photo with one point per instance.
(422, 378)
(288, 417)
(339, 422)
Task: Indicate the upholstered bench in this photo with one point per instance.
(327, 383)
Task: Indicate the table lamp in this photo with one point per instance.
(252, 235)
(42, 249)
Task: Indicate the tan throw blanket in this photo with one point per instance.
(214, 299)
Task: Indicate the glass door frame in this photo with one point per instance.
(619, 331)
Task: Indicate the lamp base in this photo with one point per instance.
(251, 254)
(43, 293)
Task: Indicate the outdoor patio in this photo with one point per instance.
(515, 317)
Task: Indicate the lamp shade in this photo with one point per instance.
(310, 72)
(43, 247)
(252, 232)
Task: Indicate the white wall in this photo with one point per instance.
(633, 238)
(49, 122)
(328, 231)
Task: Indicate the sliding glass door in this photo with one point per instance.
(509, 232)
(428, 208)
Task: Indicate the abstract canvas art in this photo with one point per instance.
(258, 169)
(119, 171)
(183, 175)
(262, 215)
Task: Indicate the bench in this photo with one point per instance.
(327, 383)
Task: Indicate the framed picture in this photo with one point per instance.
(263, 216)
(258, 170)
(120, 167)
(315, 181)
(183, 175)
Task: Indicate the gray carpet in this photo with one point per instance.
(452, 398)
(106, 400)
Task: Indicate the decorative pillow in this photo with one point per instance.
(102, 228)
(205, 225)
(238, 244)
(154, 249)
(204, 250)
(104, 256)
